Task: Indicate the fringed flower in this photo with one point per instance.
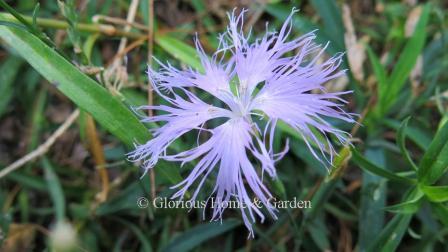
(269, 78)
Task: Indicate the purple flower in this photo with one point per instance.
(271, 79)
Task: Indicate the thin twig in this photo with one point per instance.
(129, 48)
(42, 149)
(129, 19)
(117, 70)
(119, 21)
(152, 176)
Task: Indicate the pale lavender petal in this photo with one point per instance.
(270, 84)
(287, 96)
(182, 116)
(228, 149)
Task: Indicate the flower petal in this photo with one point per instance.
(228, 148)
(287, 96)
(182, 116)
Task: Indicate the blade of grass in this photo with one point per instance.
(401, 142)
(373, 198)
(406, 62)
(436, 193)
(417, 135)
(55, 189)
(82, 90)
(391, 235)
(372, 168)
(408, 207)
(179, 50)
(331, 16)
(378, 70)
(435, 161)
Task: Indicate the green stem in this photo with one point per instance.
(108, 30)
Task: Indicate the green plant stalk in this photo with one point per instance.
(108, 30)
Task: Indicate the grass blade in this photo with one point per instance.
(406, 62)
(435, 161)
(331, 16)
(82, 90)
(372, 168)
(410, 206)
(436, 193)
(179, 50)
(55, 189)
(372, 202)
(392, 234)
(378, 70)
(401, 142)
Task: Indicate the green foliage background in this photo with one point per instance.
(387, 192)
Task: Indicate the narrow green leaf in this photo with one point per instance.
(13, 24)
(82, 90)
(319, 234)
(378, 70)
(55, 189)
(435, 161)
(372, 168)
(392, 234)
(436, 193)
(195, 236)
(373, 200)
(35, 12)
(417, 135)
(410, 206)
(179, 50)
(401, 142)
(331, 16)
(406, 62)
(320, 198)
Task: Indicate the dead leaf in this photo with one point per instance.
(355, 49)
(412, 21)
(20, 238)
(416, 75)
